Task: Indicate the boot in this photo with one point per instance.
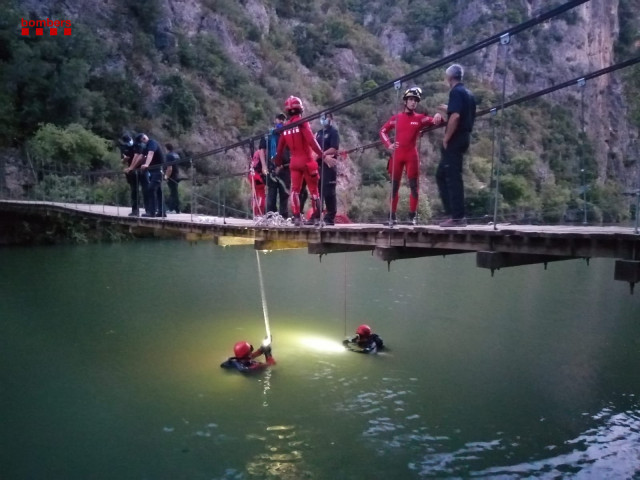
(413, 218)
(297, 220)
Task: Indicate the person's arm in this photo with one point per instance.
(454, 109)
(452, 125)
(428, 121)
(263, 160)
(137, 159)
(334, 143)
(149, 158)
(384, 134)
(168, 172)
(281, 144)
(305, 129)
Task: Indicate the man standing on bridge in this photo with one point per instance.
(151, 160)
(329, 139)
(404, 152)
(302, 145)
(278, 177)
(128, 152)
(461, 111)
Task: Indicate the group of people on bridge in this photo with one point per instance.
(291, 161)
(292, 164)
(146, 166)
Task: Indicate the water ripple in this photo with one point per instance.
(609, 450)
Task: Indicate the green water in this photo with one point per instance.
(109, 367)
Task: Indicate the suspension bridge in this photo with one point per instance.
(496, 246)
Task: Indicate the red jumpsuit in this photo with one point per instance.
(408, 127)
(302, 146)
(258, 194)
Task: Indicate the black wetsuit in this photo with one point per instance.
(244, 365)
(371, 344)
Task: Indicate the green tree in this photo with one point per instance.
(71, 148)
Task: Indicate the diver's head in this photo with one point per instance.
(242, 349)
(364, 330)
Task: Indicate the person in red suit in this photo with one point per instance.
(302, 146)
(257, 181)
(407, 125)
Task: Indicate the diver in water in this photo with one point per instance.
(364, 341)
(244, 355)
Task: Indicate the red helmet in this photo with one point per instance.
(363, 330)
(242, 349)
(293, 103)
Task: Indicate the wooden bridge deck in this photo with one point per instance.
(503, 246)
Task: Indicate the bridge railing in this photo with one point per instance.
(201, 191)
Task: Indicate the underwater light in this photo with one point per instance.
(322, 344)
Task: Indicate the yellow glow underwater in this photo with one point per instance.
(322, 344)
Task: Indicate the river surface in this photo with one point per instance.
(109, 367)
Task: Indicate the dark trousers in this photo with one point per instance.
(154, 194)
(328, 179)
(449, 176)
(330, 201)
(277, 192)
(173, 202)
(304, 194)
(137, 180)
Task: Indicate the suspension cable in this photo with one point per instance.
(517, 101)
(536, 20)
(409, 76)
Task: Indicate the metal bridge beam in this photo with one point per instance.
(498, 260)
(389, 254)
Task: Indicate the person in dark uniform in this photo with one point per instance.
(244, 357)
(278, 177)
(329, 140)
(364, 341)
(172, 176)
(151, 160)
(127, 153)
(461, 111)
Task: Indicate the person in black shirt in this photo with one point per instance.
(127, 152)
(461, 111)
(171, 175)
(329, 140)
(278, 177)
(151, 160)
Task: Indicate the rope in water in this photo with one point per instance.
(265, 311)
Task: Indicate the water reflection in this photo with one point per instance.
(609, 450)
(282, 457)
